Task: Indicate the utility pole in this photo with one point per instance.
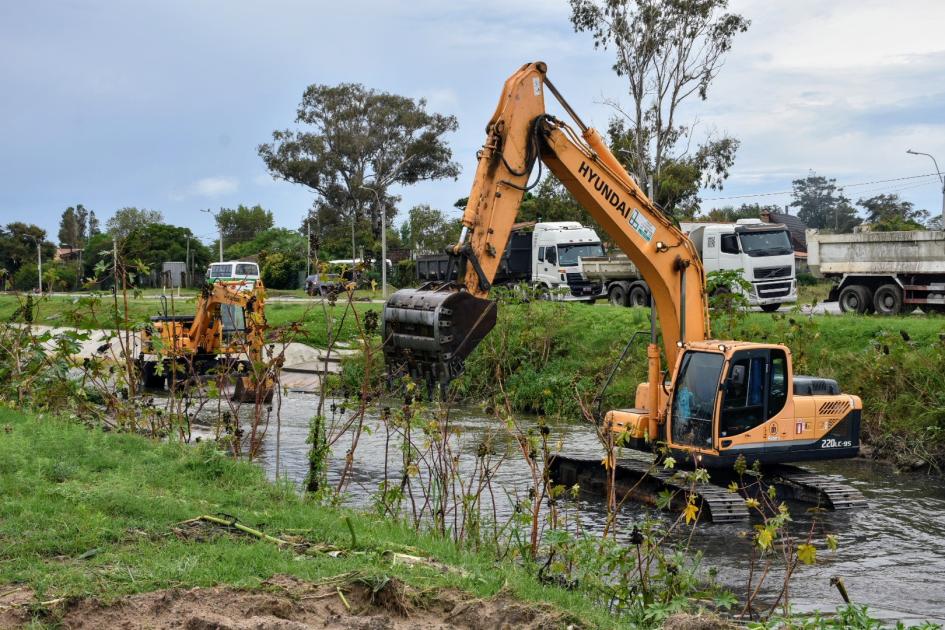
(383, 212)
(308, 241)
(941, 178)
(39, 263)
(215, 216)
(383, 184)
(187, 262)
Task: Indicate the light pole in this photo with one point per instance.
(39, 264)
(383, 184)
(383, 211)
(941, 178)
(219, 227)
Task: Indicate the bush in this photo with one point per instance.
(405, 274)
(25, 279)
(807, 279)
(279, 272)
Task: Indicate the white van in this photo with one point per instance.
(233, 270)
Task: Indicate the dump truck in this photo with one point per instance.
(543, 255)
(883, 272)
(762, 251)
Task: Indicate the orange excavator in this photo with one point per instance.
(718, 399)
(229, 322)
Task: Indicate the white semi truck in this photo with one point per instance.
(762, 251)
(883, 272)
(543, 255)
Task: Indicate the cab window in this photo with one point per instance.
(551, 255)
(541, 254)
(729, 244)
(220, 271)
(694, 398)
(755, 390)
(777, 385)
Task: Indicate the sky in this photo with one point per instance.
(161, 105)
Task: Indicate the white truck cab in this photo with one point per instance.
(762, 251)
(557, 248)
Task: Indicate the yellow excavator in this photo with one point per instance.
(718, 399)
(229, 322)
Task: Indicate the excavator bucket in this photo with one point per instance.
(429, 332)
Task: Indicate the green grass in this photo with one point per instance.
(87, 513)
(96, 312)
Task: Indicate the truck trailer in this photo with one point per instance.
(883, 272)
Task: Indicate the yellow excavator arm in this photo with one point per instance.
(428, 333)
(519, 134)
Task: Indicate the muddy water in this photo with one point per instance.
(891, 556)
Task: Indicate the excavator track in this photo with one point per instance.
(824, 491)
(637, 476)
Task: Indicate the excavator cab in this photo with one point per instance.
(730, 398)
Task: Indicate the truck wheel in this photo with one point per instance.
(888, 300)
(770, 308)
(854, 298)
(638, 296)
(618, 295)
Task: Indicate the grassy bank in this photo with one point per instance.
(90, 514)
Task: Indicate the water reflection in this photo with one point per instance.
(891, 556)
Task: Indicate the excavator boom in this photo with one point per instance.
(429, 333)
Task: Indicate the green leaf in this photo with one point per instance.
(807, 553)
(765, 537)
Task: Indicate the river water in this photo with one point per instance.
(891, 556)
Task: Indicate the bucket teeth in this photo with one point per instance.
(428, 333)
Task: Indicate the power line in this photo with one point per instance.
(841, 186)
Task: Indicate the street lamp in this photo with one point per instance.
(941, 178)
(383, 184)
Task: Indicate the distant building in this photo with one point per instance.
(796, 228)
(173, 275)
(67, 254)
(798, 234)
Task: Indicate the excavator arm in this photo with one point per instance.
(430, 331)
(203, 333)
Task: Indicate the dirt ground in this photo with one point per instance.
(286, 603)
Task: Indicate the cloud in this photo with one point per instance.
(209, 187)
